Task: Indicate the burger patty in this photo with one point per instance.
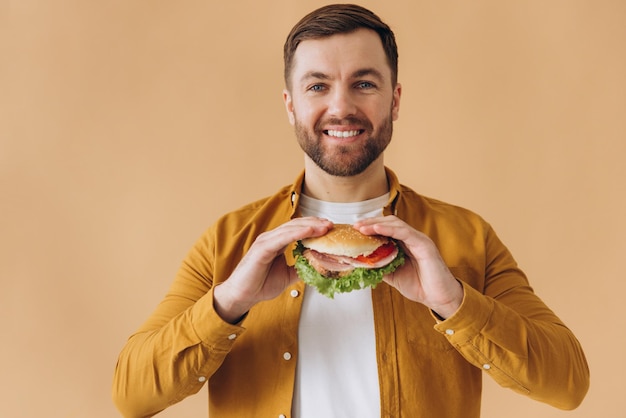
(335, 266)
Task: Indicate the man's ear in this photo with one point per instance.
(289, 106)
(395, 104)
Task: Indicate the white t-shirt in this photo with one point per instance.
(336, 372)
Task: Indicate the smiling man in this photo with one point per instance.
(416, 345)
(342, 101)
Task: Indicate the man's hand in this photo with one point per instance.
(263, 274)
(424, 277)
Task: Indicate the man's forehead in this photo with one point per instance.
(358, 37)
(360, 51)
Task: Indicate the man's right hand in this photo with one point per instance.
(263, 273)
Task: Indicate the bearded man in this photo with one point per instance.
(417, 345)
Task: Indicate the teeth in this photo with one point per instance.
(343, 134)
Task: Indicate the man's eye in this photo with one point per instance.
(316, 87)
(365, 85)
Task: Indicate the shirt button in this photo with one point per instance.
(202, 379)
(294, 293)
(232, 336)
(450, 331)
(287, 355)
(486, 366)
(282, 416)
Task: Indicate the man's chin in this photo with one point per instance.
(345, 164)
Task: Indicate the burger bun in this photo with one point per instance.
(344, 240)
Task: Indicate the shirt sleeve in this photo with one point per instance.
(178, 348)
(509, 333)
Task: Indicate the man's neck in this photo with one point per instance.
(367, 185)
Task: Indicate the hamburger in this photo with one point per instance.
(344, 260)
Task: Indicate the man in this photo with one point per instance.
(238, 317)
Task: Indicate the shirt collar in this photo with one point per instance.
(390, 208)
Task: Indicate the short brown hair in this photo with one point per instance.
(340, 18)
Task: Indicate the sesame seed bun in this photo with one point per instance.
(344, 240)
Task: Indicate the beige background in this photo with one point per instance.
(127, 127)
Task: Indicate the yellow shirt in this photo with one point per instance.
(427, 368)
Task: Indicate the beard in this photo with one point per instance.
(348, 159)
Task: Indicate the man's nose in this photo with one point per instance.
(341, 104)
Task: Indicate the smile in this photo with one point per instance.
(343, 134)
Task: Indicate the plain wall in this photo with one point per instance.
(128, 127)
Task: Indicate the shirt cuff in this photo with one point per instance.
(212, 330)
(469, 319)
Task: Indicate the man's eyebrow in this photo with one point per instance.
(318, 75)
(364, 72)
(368, 72)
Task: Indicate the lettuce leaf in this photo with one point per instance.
(359, 278)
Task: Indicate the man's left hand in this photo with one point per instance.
(424, 277)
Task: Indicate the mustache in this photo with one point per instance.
(349, 120)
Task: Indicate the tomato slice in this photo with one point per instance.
(378, 254)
